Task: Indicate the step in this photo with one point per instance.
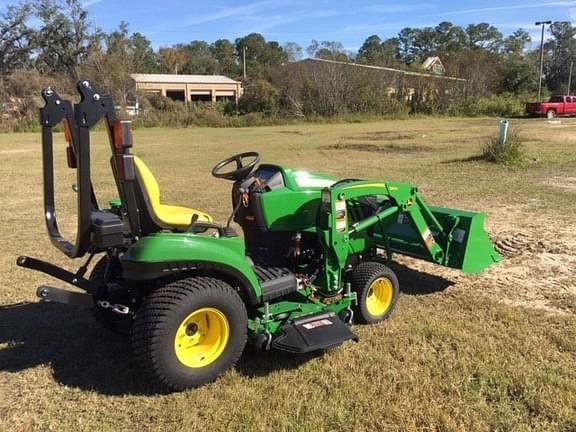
(275, 281)
(313, 332)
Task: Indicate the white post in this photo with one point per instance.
(503, 133)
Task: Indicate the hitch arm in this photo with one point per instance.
(87, 285)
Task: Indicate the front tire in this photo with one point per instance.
(189, 332)
(377, 289)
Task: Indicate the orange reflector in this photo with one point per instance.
(117, 134)
(122, 133)
(67, 131)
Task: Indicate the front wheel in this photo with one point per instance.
(377, 289)
(189, 332)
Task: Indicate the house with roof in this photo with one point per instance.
(434, 65)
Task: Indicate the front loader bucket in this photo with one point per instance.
(470, 249)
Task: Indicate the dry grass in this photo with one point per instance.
(495, 351)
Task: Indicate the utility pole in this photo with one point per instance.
(570, 78)
(244, 64)
(543, 24)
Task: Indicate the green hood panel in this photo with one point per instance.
(298, 180)
(295, 206)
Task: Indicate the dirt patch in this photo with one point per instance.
(536, 272)
(291, 132)
(518, 243)
(385, 148)
(382, 135)
(564, 183)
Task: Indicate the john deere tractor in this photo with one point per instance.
(191, 293)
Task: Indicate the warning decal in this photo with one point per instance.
(428, 238)
(319, 323)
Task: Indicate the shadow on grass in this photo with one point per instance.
(80, 353)
(474, 158)
(84, 355)
(256, 364)
(414, 282)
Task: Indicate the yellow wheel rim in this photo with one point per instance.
(201, 337)
(379, 297)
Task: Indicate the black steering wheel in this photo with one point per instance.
(242, 171)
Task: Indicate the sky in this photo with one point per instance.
(180, 21)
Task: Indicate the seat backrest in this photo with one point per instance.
(148, 196)
(150, 183)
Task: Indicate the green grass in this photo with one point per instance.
(496, 351)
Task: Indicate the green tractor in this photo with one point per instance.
(192, 293)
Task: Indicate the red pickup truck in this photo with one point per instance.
(556, 106)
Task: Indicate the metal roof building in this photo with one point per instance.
(331, 77)
(189, 88)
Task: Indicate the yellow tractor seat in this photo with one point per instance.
(165, 216)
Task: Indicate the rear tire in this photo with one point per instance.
(189, 332)
(377, 289)
(550, 114)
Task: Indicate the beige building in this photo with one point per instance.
(189, 88)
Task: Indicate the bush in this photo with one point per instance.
(512, 152)
(502, 105)
(260, 96)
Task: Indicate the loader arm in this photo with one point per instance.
(399, 221)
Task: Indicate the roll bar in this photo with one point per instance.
(78, 120)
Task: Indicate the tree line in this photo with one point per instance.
(57, 38)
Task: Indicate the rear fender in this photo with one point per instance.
(165, 254)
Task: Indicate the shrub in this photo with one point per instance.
(260, 96)
(502, 105)
(512, 152)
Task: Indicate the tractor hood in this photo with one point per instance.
(304, 180)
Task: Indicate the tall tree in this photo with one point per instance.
(561, 50)
(376, 52)
(172, 60)
(390, 49)
(122, 55)
(64, 38)
(144, 58)
(15, 38)
(519, 71)
(328, 50)
(371, 51)
(293, 52)
(406, 42)
(425, 43)
(199, 58)
(484, 36)
(519, 76)
(261, 55)
(516, 42)
(450, 38)
(223, 51)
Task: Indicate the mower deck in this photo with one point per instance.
(312, 333)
